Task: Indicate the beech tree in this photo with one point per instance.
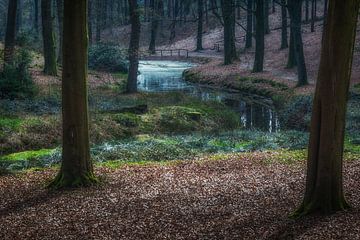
(131, 86)
(228, 16)
(324, 186)
(249, 23)
(259, 36)
(296, 42)
(157, 6)
(50, 66)
(60, 12)
(9, 49)
(200, 21)
(76, 167)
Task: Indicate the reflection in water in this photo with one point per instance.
(159, 76)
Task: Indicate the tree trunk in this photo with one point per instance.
(295, 9)
(266, 19)
(50, 66)
(19, 16)
(249, 26)
(199, 45)
(313, 15)
(260, 41)
(36, 17)
(284, 28)
(324, 186)
(90, 21)
(76, 167)
(291, 56)
(156, 7)
(134, 47)
(306, 10)
(228, 13)
(99, 21)
(60, 12)
(9, 49)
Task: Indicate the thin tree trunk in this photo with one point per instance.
(60, 12)
(324, 185)
(260, 41)
(76, 166)
(9, 49)
(200, 21)
(266, 19)
(249, 24)
(313, 15)
(50, 66)
(284, 28)
(36, 17)
(295, 9)
(134, 47)
(99, 20)
(228, 13)
(19, 16)
(156, 7)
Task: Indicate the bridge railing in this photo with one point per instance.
(171, 53)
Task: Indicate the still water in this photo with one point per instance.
(162, 76)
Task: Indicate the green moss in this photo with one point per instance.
(27, 155)
(11, 124)
(127, 119)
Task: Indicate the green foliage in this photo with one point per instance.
(105, 57)
(15, 80)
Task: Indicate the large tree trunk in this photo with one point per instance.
(260, 41)
(324, 186)
(9, 49)
(200, 21)
(295, 9)
(50, 66)
(60, 12)
(284, 28)
(76, 167)
(134, 47)
(249, 24)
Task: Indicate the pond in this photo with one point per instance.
(161, 76)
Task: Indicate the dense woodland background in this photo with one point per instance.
(179, 119)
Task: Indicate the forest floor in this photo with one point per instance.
(235, 196)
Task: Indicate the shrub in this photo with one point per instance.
(15, 80)
(110, 58)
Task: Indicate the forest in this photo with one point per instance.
(179, 119)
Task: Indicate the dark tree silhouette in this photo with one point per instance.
(324, 186)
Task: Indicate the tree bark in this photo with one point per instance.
(266, 19)
(156, 7)
(260, 35)
(200, 21)
(249, 24)
(295, 9)
(76, 167)
(324, 185)
(50, 66)
(228, 13)
(134, 47)
(60, 13)
(284, 27)
(36, 17)
(9, 49)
